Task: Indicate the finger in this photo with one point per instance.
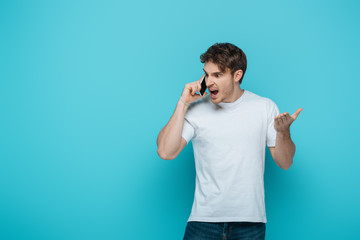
(279, 116)
(198, 86)
(193, 90)
(278, 119)
(203, 95)
(282, 118)
(197, 96)
(202, 76)
(188, 87)
(287, 117)
(296, 114)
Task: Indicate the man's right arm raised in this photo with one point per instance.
(170, 141)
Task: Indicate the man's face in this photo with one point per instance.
(221, 85)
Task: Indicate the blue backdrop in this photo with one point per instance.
(86, 86)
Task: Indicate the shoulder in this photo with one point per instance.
(261, 99)
(200, 105)
(264, 102)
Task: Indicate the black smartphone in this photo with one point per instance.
(203, 86)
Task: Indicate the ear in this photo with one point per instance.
(237, 75)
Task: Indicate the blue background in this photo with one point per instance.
(86, 86)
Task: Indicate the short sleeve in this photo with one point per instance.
(188, 131)
(273, 111)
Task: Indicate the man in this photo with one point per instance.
(229, 129)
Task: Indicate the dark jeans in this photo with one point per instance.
(225, 230)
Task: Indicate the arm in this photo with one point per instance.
(169, 142)
(284, 150)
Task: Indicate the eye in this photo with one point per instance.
(218, 75)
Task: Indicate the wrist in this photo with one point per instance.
(284, 134)
(183, 102)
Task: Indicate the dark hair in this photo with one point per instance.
(226, 55)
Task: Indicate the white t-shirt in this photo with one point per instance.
(229, 141)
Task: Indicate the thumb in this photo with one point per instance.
(198, 96)
(296, 114)
(203, 95)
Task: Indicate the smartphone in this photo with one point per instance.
(203, 87)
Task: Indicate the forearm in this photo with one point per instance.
(284, 150)
(169, 138)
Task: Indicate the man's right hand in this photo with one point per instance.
(189, 94)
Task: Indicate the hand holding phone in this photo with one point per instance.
(190, 94)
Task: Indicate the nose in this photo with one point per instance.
(209, 81)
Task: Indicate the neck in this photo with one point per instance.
(237, 93)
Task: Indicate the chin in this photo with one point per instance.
(216, 100)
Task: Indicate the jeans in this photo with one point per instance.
(224, 230)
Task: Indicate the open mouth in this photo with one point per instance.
(214, 93)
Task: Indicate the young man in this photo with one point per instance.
(229, 129)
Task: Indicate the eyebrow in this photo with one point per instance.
(214, 72)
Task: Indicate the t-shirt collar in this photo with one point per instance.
(231, 105)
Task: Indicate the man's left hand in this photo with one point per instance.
(283, 121)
